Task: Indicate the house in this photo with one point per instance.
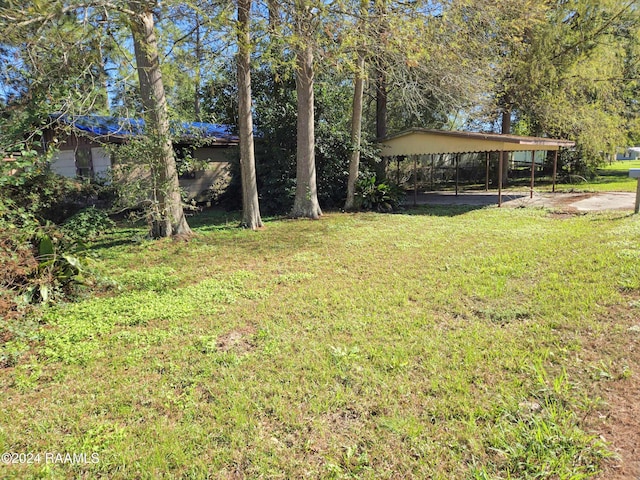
(631, 153)
(83, 144)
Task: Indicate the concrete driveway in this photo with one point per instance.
(570, 202)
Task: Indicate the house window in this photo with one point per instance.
(84, 165)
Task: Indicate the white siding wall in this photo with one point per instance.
(64, 163)
(101, 161)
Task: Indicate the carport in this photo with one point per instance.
(416, 142)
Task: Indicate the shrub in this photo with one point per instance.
(31, 194)
(88, 224)
(574, 162)
(382, 197)
(58, 272)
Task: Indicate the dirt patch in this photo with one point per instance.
(618, 421)
(621, 427)
(237, 341)
(344, 417)
(568, 199)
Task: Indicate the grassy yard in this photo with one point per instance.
(440, 343)
(610, 178)
(615, 177)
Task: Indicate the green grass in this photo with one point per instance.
(621, 166)
(441, 343)
(613, 177)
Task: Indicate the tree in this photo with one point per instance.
(50, 63)
(356, 132)
(583, 48)
(190, 35)
(356, 114)
(306, 200)
(508, 26)
(564, 69)
(62, 76)
(168, 215)
(250, 207)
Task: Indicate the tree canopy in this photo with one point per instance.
(566, 68)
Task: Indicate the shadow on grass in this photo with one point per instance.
(607, 217)
(211, 220)
(612, 176)
(441, 210)
(214, 219)
(109, 242)
(130, 233)
(125, 234)
(452, 204)
(619, 174)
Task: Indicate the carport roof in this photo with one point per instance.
(422, 141)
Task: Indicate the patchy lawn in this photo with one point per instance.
(440, 343)
(611, 178)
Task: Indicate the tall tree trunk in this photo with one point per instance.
(380, 7)
(197, 75)
(169, 218)
(505, 123)
(356, 132)
(250, 207)
(505, 129)
(305, 203)
(381, 103)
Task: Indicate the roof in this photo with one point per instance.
(120, 128)
(422, 141)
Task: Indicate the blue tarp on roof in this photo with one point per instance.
(104, 126)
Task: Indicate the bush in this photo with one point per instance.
(574, 162)
(38, 262)
(31, 194)
(58, 272)
(36, 267)
(382, 197)
(40, 266)
(88, 224)
(55, 198)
